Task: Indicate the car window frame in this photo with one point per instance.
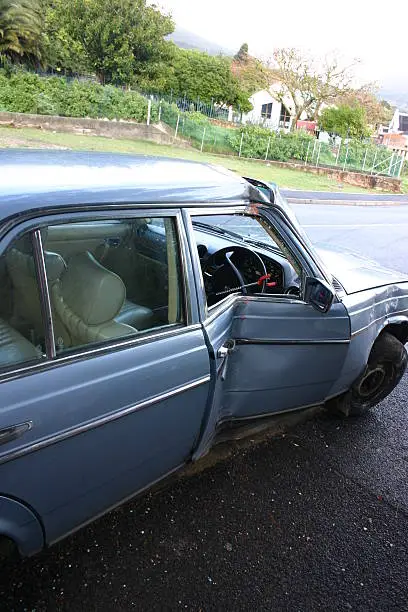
(33, 227)
(268, 215)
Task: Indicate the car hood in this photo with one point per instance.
(356, 272)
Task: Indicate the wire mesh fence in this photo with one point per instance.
(299, 147)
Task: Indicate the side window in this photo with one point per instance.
(21, 322)
(112, 279)
(243, 254)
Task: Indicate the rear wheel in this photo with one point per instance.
(8, 550)
(386, 366)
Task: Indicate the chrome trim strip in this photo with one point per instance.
(183, 266)
(107, 418)
(288, 341)
(271, 414)
(286, 298)
(214, 209)
(370, 306)
(175, 330)
(44, 294)
(386, 317)
(217, 309)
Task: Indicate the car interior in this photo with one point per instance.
(112, 279)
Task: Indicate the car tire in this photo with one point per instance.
(8, 550)
(385, 367)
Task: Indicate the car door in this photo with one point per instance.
(272, 352)
(93, 410)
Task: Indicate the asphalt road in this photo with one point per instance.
(312, 520)
(378, 232)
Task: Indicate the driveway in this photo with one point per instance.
(312, 520)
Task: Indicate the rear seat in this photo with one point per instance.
(14, 348)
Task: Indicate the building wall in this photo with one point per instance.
(255, 115)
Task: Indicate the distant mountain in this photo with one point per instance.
(188, 40)
(395, 98)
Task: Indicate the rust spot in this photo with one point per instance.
(252, 208)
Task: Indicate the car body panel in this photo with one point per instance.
(95, 425)
(106, 423)
(288, 356)
(20, 524)
(357, 273)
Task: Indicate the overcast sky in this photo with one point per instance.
(375, 32)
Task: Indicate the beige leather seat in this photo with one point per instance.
(136, 316)
(26, 299)
(87, 298)
(14, 348)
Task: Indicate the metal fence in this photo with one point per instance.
(191, 121)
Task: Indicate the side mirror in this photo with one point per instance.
(319, 294)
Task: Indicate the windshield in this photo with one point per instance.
(242, 227)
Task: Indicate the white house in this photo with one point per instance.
(268, 111)
(396, 137)
(399, 123)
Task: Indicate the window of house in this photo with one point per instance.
(113, 279)
(22, 337)
(403, 123)
(266, 110)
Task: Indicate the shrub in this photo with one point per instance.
(281, 147)
(24, 92)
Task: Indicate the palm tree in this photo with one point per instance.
(20, 30)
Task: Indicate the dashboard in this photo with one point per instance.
(251, 262)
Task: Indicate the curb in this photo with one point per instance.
(346, 202)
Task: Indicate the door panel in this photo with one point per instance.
(287, 355)
(103, 427)
(218, 332)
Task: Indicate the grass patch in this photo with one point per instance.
(285, 177)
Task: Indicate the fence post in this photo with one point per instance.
(149, 110)
(345, 159)
(391, 163)
(318, 154)
(240, 144)
(202, 140)
(314, 148)
(365, 159)
(401, 166)
(375, 159)
(307, 152)
(267, 148)
(338, 154)
(177, 125)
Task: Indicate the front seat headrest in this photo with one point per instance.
(92, 292)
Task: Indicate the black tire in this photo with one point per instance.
(385, 368)
(8, 550)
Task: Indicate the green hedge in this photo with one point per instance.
(24, 92)
(259, 143)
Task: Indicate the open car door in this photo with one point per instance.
(274, 351)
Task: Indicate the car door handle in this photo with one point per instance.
(8, 434)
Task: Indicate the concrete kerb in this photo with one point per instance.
(329, 202)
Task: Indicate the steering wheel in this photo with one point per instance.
(220, 262)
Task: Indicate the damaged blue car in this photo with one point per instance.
(149, 306)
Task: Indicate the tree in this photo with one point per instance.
(377, 112)
(345, 121)
(119, 40)
(305, 83)
(251, 73)
(195, 74)
(20, 30)
(242, 54)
